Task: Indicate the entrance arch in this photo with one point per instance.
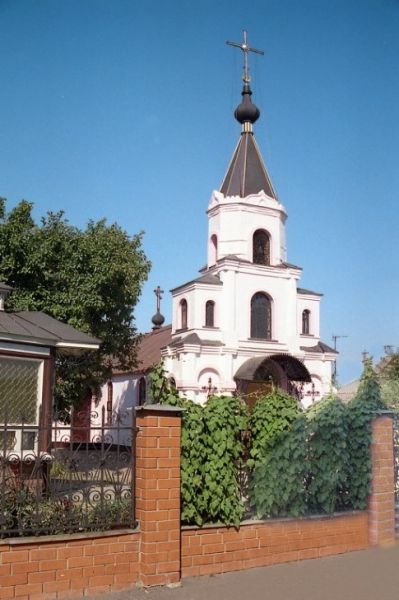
(260, 374)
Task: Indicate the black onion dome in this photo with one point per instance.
(246, 112)
(158, 320)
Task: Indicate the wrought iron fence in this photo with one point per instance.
(74, 474)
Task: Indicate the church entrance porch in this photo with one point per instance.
(258, 376)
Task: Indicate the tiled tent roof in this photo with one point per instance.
(247, 173)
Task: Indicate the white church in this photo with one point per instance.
(244, 323)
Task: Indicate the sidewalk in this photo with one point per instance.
(367, 575)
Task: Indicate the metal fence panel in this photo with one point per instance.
(69, 476)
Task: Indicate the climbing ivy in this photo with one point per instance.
(361, 411)
(225, 418)
(276, 487)
(298, 462)
(211, 449)
(160, 389)
(327, 456)
(273, 415)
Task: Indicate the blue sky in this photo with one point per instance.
(123, 109)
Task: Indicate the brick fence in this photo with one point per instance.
(159, 552)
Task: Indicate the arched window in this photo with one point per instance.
(261, 317)
(261, 248)
(183, 314)
(213, 249)
(142, 391)
(306, 322)
(210, 314)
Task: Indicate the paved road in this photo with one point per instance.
(368, 575)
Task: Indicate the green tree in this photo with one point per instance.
(89, 278)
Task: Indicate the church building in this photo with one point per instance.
(244, 324)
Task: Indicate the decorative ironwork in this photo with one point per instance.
(53, 482)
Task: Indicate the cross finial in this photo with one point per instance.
(158, 319)
(246, 49)
(158, 292)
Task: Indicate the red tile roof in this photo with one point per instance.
(149, 348)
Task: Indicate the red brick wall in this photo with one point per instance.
(222, 549)
(382, 497)
(158, 495)
(68, 566)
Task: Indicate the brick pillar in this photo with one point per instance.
(158, 493)
(382, 498)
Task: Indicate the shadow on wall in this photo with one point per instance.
(128, 395)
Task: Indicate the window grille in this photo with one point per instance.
(19, 389)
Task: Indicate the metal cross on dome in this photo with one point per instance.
(246, 49)
(158, 292)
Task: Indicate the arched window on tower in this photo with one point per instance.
(142, 391)
(183, 314)
(261, 247)
(210, 314)
(306, 322)
(261, 316)
(213, 255)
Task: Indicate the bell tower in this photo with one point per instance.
(245, 318)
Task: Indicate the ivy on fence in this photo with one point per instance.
(298, 462)
(327, 456)
(276, 486)
(362, 409)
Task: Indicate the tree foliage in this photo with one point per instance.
(89, 278)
